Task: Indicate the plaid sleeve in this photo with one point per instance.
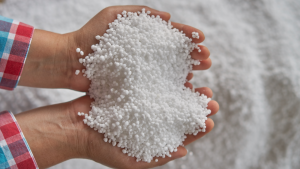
(14, 150)
(15, 39)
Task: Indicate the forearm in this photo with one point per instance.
(50, 134)
(47, 63)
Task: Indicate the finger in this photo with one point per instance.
(213, 106)
(189, 76)
(191, 138)
(204, 64)
(205, 90)
(203, 55)
(188, 31)
(188, 85)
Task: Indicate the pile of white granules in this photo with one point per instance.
(137, 72)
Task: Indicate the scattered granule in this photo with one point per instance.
(77, 72)
(195, 35)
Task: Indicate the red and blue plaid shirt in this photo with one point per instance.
(15, 38)
(14, 152)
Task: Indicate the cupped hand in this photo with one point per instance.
(56, 133)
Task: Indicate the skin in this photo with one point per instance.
(56, 133)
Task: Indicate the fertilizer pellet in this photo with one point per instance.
(137, 72)
(98, 37)
(77, 72)
(81, 53)
(78, 50)
(195, 35)
(156, 160)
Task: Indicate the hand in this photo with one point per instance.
(52, 60)
(56, 133)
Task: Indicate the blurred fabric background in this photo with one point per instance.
(255, 76)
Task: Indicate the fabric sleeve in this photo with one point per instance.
(15, 39)
(14, 150)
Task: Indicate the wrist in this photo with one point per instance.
(47, 61)
(51, 134)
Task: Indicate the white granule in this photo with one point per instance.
(195, 35)
(78, 50)
(80, 114)
(77, 72)
(98, 37)
(137, 72)
(81, 53)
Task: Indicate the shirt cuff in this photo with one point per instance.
(14, 149)
(15, 39)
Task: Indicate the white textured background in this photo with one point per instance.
(255, 76)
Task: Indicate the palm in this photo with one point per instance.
(96, 149)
